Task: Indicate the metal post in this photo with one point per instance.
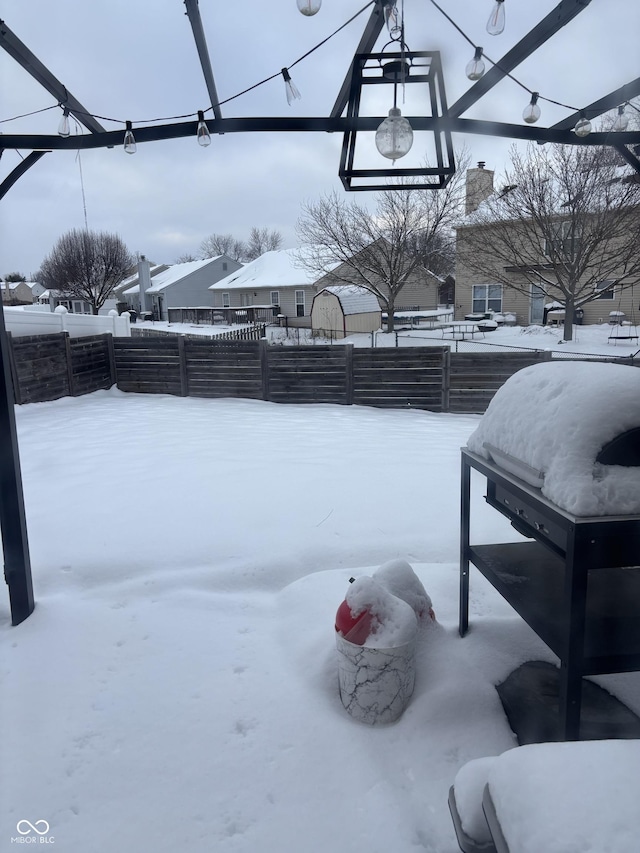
(17, 565)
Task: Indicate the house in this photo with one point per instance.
(344, 309)
(278, 284)
(73, 304)
(530, 303)
(19, 292)
(176, 286)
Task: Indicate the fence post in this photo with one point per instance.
(348, 371)
(264, 367)
(446, 378)
(184, 379)
(17, 393)
(112, 358)
(68, 358)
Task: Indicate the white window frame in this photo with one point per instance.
(226, 300)
(300, 303)
(563, 231)
(275, 298)
(491, 302)
(609, 295)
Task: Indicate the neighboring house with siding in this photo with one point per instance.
(477, 293)
(20, 292)
(177, 286)
(278, 284)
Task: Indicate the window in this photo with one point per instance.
(487, 297)
(606, 287)
(80, 307)
(226, 301)
(299, 303)
(566, 239)
(275, 297)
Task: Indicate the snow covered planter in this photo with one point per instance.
(571, 429)
(377, 627)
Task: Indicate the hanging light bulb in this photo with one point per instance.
(292, 90)
(622, 121)
(392, 19)
(309, 7)
(495, 24)
(64, 128)
(394, 137)
(475, 68)
(129, 139)
(202, 133)
(531, 112)
(583, 126)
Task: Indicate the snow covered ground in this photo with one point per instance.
(176, 686)
(592, 339)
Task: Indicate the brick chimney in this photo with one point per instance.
(479, 186)
(144, 281)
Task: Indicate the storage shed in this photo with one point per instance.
(345, 309)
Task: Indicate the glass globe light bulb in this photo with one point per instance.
(394, 137)
(495, 24)
(475, 68)
(583, 126)
(532, 112)
(202, 133)
(309, 7)
(622, 121)
(64, 128)
(129, 140)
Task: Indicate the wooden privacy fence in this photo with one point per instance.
(46, 367)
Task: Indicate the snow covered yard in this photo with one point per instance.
(176, 686)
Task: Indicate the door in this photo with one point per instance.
(536, 312)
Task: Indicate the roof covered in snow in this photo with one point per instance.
(555, 418)
(160, 281)
(353, 298)
(280, 268)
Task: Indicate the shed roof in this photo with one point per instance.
(353, 298)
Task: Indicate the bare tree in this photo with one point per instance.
(567, 221)
(86, 265)
(380, 249)
(223, 244)
(15, 277)
(262, 240)
(187, 258)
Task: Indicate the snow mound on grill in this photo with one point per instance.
(556, 417)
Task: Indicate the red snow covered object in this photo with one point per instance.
(353, 627)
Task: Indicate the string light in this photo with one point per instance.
(622, 121)
(475, 68)
(583, 126)
(496, 22)
(290, 87)
(309, 7)
(129, 139)
(532, 112)
(64, 128)
(202, 133)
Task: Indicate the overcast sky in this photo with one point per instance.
(138, 61)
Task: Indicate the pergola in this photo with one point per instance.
(344, 117)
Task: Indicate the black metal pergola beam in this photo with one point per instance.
(370, 35)
(608, 102)
(292, 124)
(564, 12)
(193, 13)
(23, 56)
(19, 170)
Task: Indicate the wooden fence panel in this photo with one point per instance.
(226, 369)
(315, 374)
(393, 378)
(90, 364)
(476, 376)
(148, 365)
(41, 372)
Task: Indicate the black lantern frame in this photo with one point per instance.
(394, 69)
